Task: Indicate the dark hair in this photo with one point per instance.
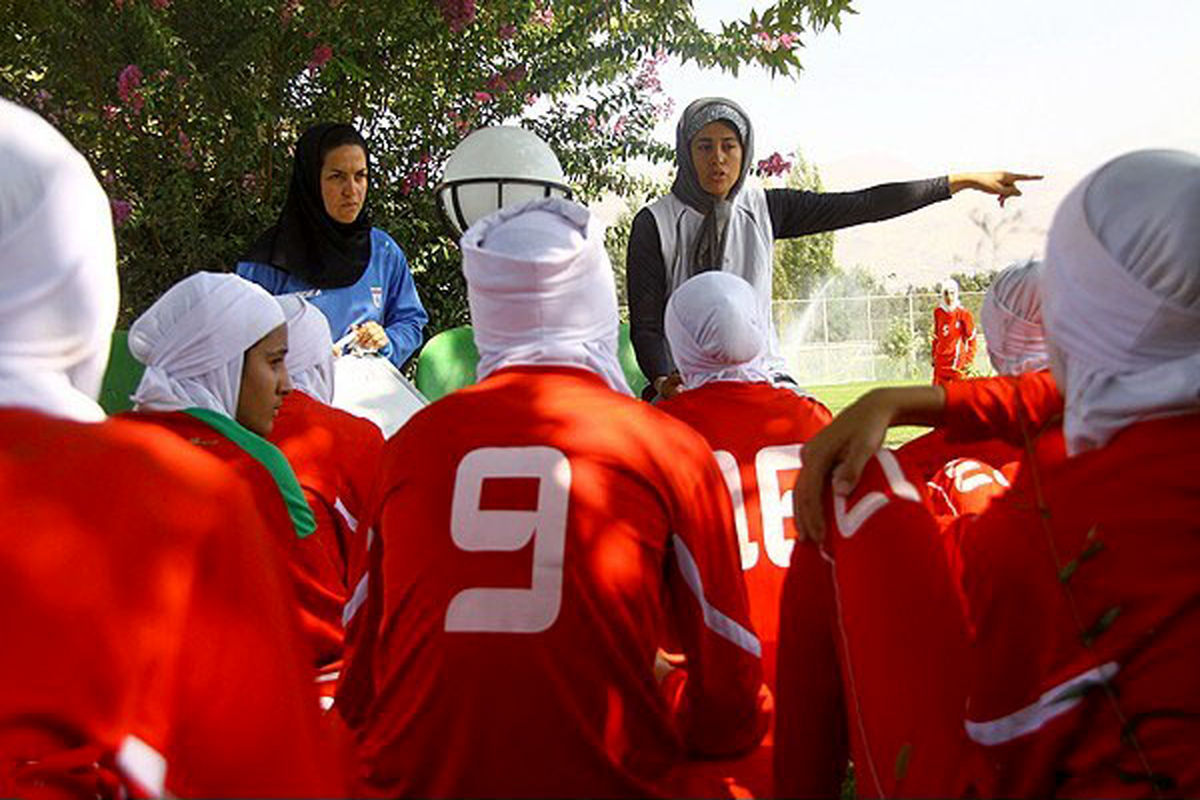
(340, 135)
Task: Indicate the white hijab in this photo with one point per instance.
(1121, 295)
(193, 342)
(716, 330)
(58, 271)
(310, 348)
(949, 285)
(541, 290)
(1011, 318)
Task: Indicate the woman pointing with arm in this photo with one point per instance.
(712, 221)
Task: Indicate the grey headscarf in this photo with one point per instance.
(709, 248)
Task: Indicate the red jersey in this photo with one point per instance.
(872, 650)
(335, 456)
(965, 486)
(1084, 589)
(529, 528)
(953, 343)
(148, 624)
(278, 498)
(756, 432)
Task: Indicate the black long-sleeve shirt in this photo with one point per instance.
(793, 213)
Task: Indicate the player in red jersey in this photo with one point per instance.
(953, 349)
(115, 595)
(335, 456)
(214, 346)
(535, 532)
(1081, 582)
(717, 336)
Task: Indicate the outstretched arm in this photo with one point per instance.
(1001, 183)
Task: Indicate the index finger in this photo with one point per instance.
(1020, 176)
(807, 509)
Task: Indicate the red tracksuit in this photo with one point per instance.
(953, 344)
(150, 640)
(336, 457)
(1083, 584)
(756, 431)
(872, 651)
(304, 555)
(530, 527)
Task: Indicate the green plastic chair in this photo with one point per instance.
(122, 376)
(447, 362)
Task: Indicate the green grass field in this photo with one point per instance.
(841, 395)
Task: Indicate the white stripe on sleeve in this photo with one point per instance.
(143, 765)
(1053, 702)
(717, 622)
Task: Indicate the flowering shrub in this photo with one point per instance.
(188, 109)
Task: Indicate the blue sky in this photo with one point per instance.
(922, 87)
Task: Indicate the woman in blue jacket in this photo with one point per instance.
(324, 248)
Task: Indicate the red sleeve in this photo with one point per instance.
(721, 711)
(967, 323)
(901, 635)
(811, 748)
(246, 711)
(1009, 408)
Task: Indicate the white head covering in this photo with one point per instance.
(193, 341)
(58, 271)
(715, 328)
(310, 348)
(541, 290)
(1121, 295)
(949, 285)
(1011, 318)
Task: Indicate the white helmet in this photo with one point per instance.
(495, 168)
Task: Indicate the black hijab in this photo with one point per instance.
(306, 241)
(708, 251)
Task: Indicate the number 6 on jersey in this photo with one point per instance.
(496, 610)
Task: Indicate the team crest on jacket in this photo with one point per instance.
(377, 296)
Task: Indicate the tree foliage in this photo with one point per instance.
(188, 109)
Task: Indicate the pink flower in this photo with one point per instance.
(458, 14)
(531, 98)
(542, 15)
(160, 4)
(414, 180)
(773, 165)
(516, 74)
(496, 83)
(788, 40)
(185, 143)
(483, 97)
(121, 209)
(591, 122)
(127, 84)
(319, 58)
(619, 125)
(507, 31)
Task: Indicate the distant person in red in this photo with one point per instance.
(1083, 581)
(953, 348)
(535, 534)
(214, 347)
(335, 456)
(719, 339)
(147, 635)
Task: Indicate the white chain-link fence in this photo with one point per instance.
(828, 340)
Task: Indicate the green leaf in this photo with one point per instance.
(1101, 625)
(902, 759)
